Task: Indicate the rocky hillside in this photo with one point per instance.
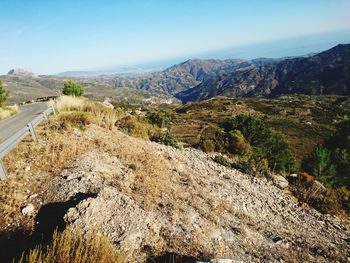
(182, 76)
(196, 79)
(24, 86)
(151, 199)
(324, 73)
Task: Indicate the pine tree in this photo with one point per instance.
(4, 94)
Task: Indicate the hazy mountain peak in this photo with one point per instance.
(21, 72)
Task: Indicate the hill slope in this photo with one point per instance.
(181, 76)
(324, 73)
(150, 199)
(25, 86)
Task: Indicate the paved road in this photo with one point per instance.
(27, 113)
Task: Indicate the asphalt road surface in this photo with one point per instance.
(27, 113)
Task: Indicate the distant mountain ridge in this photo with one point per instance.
(325, 73)
(127, 71)
(183, 76)
(21, 72)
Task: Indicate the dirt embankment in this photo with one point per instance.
(150, 199)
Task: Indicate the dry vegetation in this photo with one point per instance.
(74, 247)
(153, 178)
(8, 111)
(92, 112)
(305, 120)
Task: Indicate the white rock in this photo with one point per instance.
(33, 196)
(280, 181)
(28, 210)
(108, 104)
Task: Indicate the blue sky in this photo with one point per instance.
(50, 36)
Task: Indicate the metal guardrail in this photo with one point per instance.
(42, 99)
(11, 142)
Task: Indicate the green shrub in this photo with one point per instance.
(330, 162)
(4, 94)
(138, 127)
(319, 164)
(213, 139)
(237, 144)
(278, 153)
(165, 138)
(161, 119)
(266, 144)
(252, 128)
(258, 167)
(72, 89)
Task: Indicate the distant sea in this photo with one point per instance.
(297, 46)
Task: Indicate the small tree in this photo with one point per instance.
(237, 144)
(319, 164)
(265, 142)
(72, 89)
(161, 119)
(4, 94)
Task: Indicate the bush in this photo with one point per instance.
(252, 128)
(266, 144)
(7, 111)
(319, 164)
(213, 139)
(326, 200)
(330, 161)
(138, 127)
(256, 165)
(277, 151)
(105, 116)
(74, 247)
(68, 103)
(161, 119)
(4, 94)
(305, 178)
(78, 118)
(166, 139)
(237, 144)
(207, 145)
(72, 89)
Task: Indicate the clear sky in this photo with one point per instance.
(49, 36)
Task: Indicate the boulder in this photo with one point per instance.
(28, 210)
(280, 181)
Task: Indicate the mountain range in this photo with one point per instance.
(325, 73)
(193, 80)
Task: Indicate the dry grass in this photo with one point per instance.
(104, 115)
(73, 247)
(77, 118)
(56, 148)
(30, 165)
(69, 103)
(8, 111)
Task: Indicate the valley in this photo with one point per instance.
(179, 131)
(249, 132)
